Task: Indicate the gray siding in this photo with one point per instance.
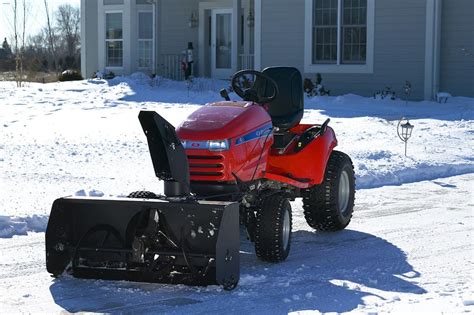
(457, 33)
(174, 32)
(398, 52)
(282, 33)
(89, 38)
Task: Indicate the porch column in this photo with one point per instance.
(237, 12)
(258, 35)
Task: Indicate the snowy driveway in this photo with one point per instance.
(410, 247)
(398, 255)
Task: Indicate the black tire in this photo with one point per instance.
(272, 239)
(142, 194)
(323, 209)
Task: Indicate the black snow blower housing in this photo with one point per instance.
(166, 239)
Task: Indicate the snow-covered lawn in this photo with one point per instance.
(409, 247)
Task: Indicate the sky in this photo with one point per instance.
(36, 18)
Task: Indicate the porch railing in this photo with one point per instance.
(169, 66)
(246, 61)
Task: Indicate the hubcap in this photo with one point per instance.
(286, 229)
(344, 192)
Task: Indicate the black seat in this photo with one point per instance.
(288, 107)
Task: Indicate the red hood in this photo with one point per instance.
(222, 120)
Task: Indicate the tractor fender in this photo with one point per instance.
(308, 165)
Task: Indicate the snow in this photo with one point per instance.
(409, 247)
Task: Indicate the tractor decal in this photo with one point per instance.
(259, 133)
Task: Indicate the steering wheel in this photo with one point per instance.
(252, 93)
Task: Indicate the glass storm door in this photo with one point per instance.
(221, 43)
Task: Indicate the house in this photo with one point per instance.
(359, 46)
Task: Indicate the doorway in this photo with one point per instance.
(221, 43)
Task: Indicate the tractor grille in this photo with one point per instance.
(206, 167)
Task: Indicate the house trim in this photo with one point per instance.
(84, 45)
(309, 67)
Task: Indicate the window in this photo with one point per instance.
(114, 39)
(145, 39)
(339, 36)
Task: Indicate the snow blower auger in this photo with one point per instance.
(229, 162)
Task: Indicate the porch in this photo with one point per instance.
(223, 33)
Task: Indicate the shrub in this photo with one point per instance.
(316, 88)
(105, 74)
(70, 75)
(387, 93)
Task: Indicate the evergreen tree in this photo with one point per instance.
(6, 47)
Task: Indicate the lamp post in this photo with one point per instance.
(250, 19)
(404, 130)
(193, 20)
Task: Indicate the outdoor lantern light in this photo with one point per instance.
(404, 130)
(193, 20)
(250, 19)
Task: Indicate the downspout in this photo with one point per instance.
(155, 31)
(432, 48)
(437, 46)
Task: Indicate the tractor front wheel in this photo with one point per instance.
(273, 229)
(329, 206)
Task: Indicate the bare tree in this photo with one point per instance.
(50, 33)
(15, 40)
(19, 40)
(68, 21)
(23, 47)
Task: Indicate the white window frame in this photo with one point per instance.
(310, 67)
(152, 40)
(113, 40)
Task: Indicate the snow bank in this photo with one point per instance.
(419, 173)
(10, 226)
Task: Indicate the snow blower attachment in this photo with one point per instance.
(165, 239)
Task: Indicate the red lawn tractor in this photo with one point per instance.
(228, 163)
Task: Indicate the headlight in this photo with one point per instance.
(211, 145)
(218, 145)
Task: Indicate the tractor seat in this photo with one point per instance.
(286, 110)
(288, 121)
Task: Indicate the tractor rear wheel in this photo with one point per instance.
(142, 194)
(329, 206)
(273, 229)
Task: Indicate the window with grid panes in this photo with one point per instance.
(114, 39)
(145, 39)
(339, 32)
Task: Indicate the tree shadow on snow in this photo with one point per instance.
(328, 272)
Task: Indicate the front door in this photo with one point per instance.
(221, 41)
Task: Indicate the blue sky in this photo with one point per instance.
(36, 18)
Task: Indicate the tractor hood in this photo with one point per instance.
(223, 120)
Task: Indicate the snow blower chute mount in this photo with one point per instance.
(228, 163)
